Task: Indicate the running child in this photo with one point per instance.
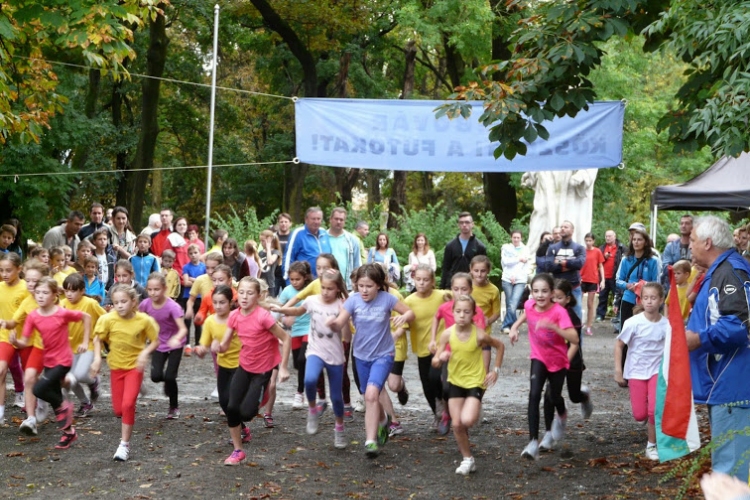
(165, 362)
(467, 377)
(487, 297)
(12, 292)
(51, 321)
(592, 278)
(190, 272)
(324, 350)
(202, 285)
(259, 335)
(563, 295)
(132, 337)
(94, 287)
(645, 335)
(373, 344)
(549, 329)
(75, 300)
(221, 275)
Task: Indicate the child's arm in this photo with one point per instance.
(175, 341)
(97, 363)
(288, 311)
(224, 344)
(441, 354)
(618, 363)
(482, 340)
(337, 324)
(514, 329)
(142, 361)
(286, 346)
(602, 281)
(291, 302)
(433, 335)
(572, 350)
(405, 315)
(84, 346)
(19, 342)
(346, 333)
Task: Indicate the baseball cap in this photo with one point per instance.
(638, 226)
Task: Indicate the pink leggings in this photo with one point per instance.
(643, 398)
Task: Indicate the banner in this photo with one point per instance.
(405, 135)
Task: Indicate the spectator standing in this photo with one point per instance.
(121, 234)
(344, 245)
(193, 238)
(307, 242)
(160, 239)
(97, 222)
(564, 260)
(612, 250)
(66, 233)
(362, 231)
(384, 254)
(516, 263)
(592, 277)
(154, 224)
(677, 250)
(460, 250)
(283, 231)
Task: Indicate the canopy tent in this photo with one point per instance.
(725, 185)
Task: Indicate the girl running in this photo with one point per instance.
(374, 348)
(467, 378)
(51, 321)
(259, 335)
(645, 335)
(74, 287)
(549, 328)
(165, 363)
(132, 337)
(324, 349)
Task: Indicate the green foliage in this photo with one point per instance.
(495, 237)
(244, 227)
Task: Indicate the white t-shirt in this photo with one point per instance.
(645, 340)
(322, 341)
(103, 268)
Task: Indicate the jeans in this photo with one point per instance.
(578, 294)
(513, 293)
(731, 456)
(604, 293)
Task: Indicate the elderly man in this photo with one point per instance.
(344, 246)
(717, 337)
(65, 234)
(308, 241)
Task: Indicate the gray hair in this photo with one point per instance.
(361, 224)
(718, 230)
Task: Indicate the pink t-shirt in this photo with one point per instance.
(322, 341)
(165, 317)
(54, 332)
(445, 312)
(260, 348)
(547, 346)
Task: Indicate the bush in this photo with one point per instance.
(244, 227)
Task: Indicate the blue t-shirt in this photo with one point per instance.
(192, 270)
(372, 322)
(301, 324)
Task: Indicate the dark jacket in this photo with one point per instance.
(575, 256)
(456, 260)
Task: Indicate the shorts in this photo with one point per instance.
(402, 348)
(398, 368)
(373, 372)
(589, 287)
(32, 357)
(297, 341)
(455, 391)
(7, 351)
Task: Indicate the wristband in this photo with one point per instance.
(496, 370)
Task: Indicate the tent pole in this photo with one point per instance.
(214, 62)
(654, 214)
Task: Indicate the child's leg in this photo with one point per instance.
(321, 387)
(158, 360)
(80, 374)
(173, 358)
(238, 388)
(313, 369)
(198, 328)
(31, 361)
(16, 372)
(460, 432)
(590, 308)
(373, 376)
(131, 386)
(538, 378)
(250, 404)
(335, 383)
(300, 361)
(574, 386)
(346, 383)
(549, 408)
(387, 404)
(651, 388)
(270, 395)
(48, 388)
(556, 382)
(117, 388)
(639, 399)
(424, 364)
(223, 382)
(7, 351)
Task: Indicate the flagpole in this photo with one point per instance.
(214, 63)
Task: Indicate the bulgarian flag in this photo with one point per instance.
(676, 424)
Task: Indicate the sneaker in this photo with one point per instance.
(173, 413)
(384, 431)
(94, 388)
(84, 410)
(247, 435)
(359, 406)
(19, 401)
(548, 442)
(506, 330)
(558, 427)
(599, 319)
(64, 415)
(651, 452)
(28, 427)
(395, 429)
(348, 413)
(42, 410)
(372, 450)
(531, 451)
(236, 458)
(188, 351)
(588, 331)
(403, 395)
(587, 407)
(215, 394)
(299, 402)
(445, 424)
(312, 421)
(268, 420)
(321, 406)
(122, 454)
(339, 440)
(66, 440)
(467, 466)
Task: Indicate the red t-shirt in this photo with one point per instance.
(609, 263)
(445, 312)
(260, 348)
(590, 269)
(54, 332)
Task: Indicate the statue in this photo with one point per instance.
(560, 195)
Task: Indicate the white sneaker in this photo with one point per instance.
(558, 427)
(42, 411)
(652, 453)
(71, 380)
(122, 454)
(312, 421)
(531, 451)
(359, 406)
(299, 402)
(339, 439)
(28, 427)
(548, 442)
(587, 407)
(467, 466)
(215, 394)
(19, 401)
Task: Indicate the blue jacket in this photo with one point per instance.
(303, 245)
(143, 265)
(720, 367)
(648, 270)
(670, 256)
(575, 257)
(95, 289)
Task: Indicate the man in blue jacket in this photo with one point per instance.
(717, 336)
(307, 242)
(564, 260)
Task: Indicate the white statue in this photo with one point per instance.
(560, 195)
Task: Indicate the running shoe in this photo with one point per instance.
(588, 331)
(66, 440)
(94, 388)
(506, 330)
(28, 427)
(395, 429)
(531, 451)
(348, 413)
(64, 415)
(246, 435)
(652, 453)
(84, 410)
(122, 454)
(321, 406)
(384, 431)
(467, 466)
(548, 442)
(299, 402)
(42, 410)
(312, 420)
(339, 439)
(403, 394)
(215, 394)
(558, 427)
(173, 413)
(188, 351)
(372, 450)
(359, 406)
(268, 420)
(599, 319)
(236, 458)
(587, 407)
(445, 424)
(19, 400)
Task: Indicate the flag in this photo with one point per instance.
(676, 423)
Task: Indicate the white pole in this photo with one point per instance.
(654, 219)
(214, 63)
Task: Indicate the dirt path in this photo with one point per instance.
(601, 458)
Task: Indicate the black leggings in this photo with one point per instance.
(167, 375)
(432, 385)
(626, 312)
(245, 394)
(183, 301)
(540, 375)
(300, 360)
(48, 387)
(223, 384)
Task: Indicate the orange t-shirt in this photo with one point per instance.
(590, 269)
(207, 307)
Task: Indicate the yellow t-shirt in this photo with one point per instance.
(420, 329)
(465, 367)
(75, 330)
(173, 284)
(126, 337)
(10, 298)
(60, 275)
(201, 286)
(487, 298)
(312, 289)
(402, 345)
(27, 305)
(213, 330)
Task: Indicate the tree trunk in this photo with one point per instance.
(454, 63)
(293, 187)
(374, 197)
(346, 178)
(121, 158)
(144, 157)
